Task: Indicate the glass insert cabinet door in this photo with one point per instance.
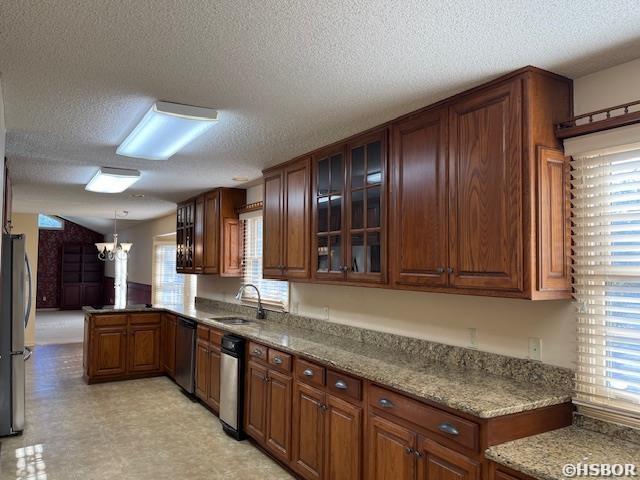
(365, 232)
(349, 210)
(329, 181)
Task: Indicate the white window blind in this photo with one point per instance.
(606, 248)
(168, 286)
(273, 292)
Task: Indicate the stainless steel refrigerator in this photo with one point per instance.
(15, 306)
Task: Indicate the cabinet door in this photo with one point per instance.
(169, 344)
(296, 251)
(485, 189)
(202, 369)
(71, 296)
(198, 235)
(109, 351)
(328, 255)
(366, 205)
(92, 293)
(256, 403)
(390, 453)
(213, 395)
(307, 452)
(419, 229)
(144, 348)
(272, 235)
(278, 435)
(343, 449)
(211, 232)
(436, 462)
(232, 254)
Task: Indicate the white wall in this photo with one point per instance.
(27, 224)
(141, 256)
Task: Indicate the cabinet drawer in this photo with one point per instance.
(258, 351)
(344, 385)
(457, 429)
(109, 320)
(144, 318)
(279, 360)
(202, 332)
(215, 337)
(309, 372)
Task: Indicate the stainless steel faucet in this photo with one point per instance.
(261, 314)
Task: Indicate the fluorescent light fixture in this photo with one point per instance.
(165, 129)
(112, 180)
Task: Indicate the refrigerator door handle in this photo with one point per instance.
(28, 309)
(27, 353)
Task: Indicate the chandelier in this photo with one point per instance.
(112, 250)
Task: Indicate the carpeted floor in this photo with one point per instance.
(65, 326)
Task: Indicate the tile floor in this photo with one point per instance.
(132, 430)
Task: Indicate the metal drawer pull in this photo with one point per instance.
(257, 351)
(308, 373)
(448, 428)
(341, 385)
(384, 403)
(277, 360)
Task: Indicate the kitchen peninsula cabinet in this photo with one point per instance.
(122, 346)
(477, 200)
(286, 216)
(208, 233)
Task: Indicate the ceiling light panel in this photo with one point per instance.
(112, 180)
(165, 129)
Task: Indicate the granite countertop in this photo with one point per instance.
(474, 392)
(543, 456)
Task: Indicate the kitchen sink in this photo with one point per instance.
(233, 321)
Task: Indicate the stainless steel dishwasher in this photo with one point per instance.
(185, 355)
(232, 385)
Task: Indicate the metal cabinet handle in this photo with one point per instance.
(257, 351)
(449, 269)
(308, 373)
(277, 360)
(340, 384)
(324, 408)
(408, 450)
(440, 270)
(384, 403)
(418, 454)
(448, 428)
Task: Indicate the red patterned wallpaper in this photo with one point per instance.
(50, 258)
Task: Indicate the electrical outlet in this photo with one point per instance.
(534, 348)
(44, 298)
(325, 313)
(473, 338)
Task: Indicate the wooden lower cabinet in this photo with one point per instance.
(308, 430)
(343, 440)
(109, 348)
(121, 346)
(207, 377)
(169, 327)
(436, 462)
(256, 401)
(390, 450)
(278, 433)
(202, 368)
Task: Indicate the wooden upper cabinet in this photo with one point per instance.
(419, 184)
(211, 230)
(328, 258)
(209, 234)
(485, 189)
(366, 208)
(286, 221)
(296, 213)
(272, 211)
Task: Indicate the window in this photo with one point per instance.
(606, 248)
(273, 292)
(168, 286)
(49, 222)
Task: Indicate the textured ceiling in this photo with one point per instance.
(286, 76)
